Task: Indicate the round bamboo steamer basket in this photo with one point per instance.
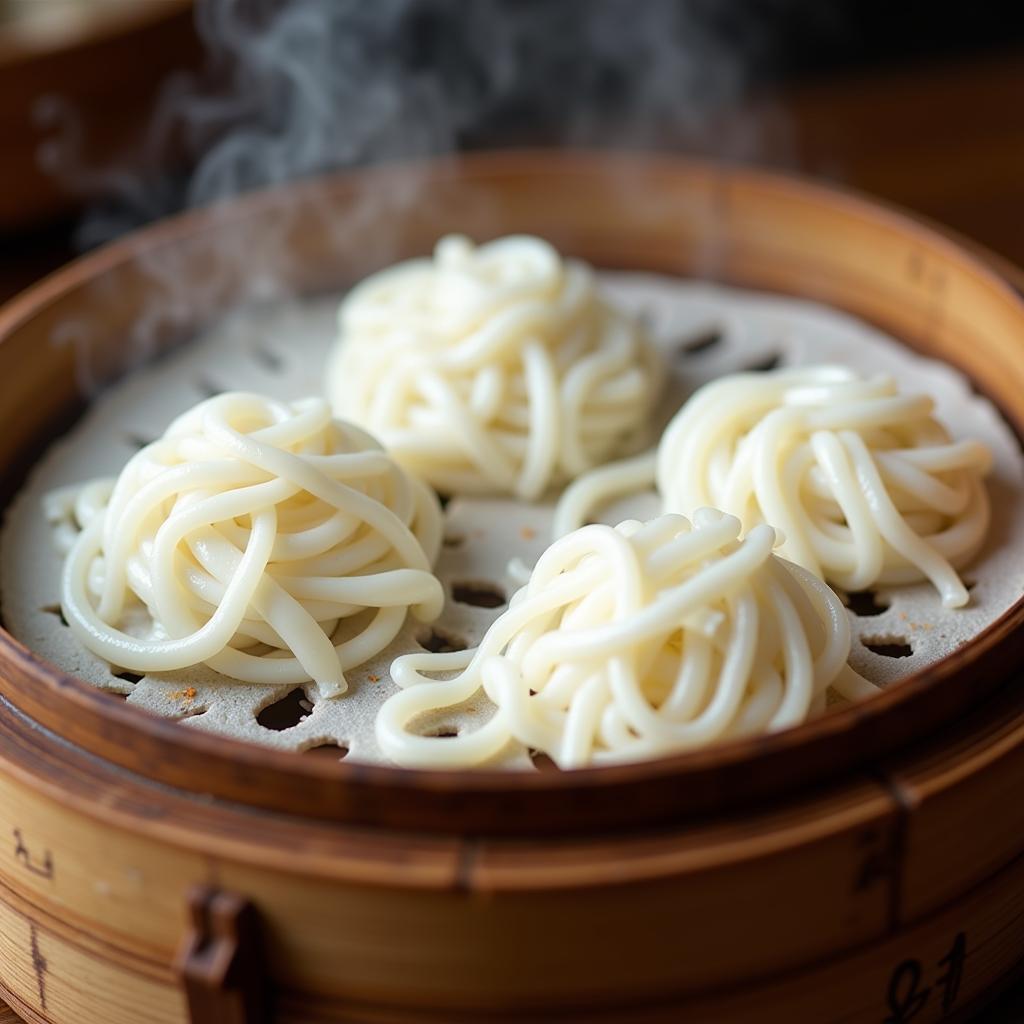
(864, 867)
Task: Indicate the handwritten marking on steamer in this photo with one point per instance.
(39, 965)
(907, 996)
(43, 868)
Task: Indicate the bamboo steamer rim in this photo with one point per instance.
(483, 801)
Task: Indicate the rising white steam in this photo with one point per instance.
(293, 88)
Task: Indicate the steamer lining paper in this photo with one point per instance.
(705, 330)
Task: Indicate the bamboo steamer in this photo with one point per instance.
(865, 867)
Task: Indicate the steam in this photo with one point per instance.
(294, 88)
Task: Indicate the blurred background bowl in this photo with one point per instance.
(110, 55)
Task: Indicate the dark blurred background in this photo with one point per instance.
(115, 112)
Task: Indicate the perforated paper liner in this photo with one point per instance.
(705, 331)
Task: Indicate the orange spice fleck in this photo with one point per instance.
(527, 533)
(186, 694)
(373, 678)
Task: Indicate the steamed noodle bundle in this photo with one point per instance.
(492, 369)
(864, 484)
(635, 642)
(253, 537)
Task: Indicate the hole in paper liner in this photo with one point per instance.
(328, 750)
(702, 341)
(123, 673)
(55, 609)
(440, 641)
(442, 732)
(287, 712)
(889, 646)
(772, 361)
(865, 603)
(543, 762)
(479, 594)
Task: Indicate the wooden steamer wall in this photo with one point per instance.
(865, 867)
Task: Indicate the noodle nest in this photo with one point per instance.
(497, 369)
(633, 642)
(262, 538)
(864, 484)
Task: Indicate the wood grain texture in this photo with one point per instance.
(342, 907)
(963, 796)
(659, 213)
(798, 912)
(938, 970)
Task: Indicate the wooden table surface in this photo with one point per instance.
(946, 140)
